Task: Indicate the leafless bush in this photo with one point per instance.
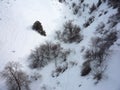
(72, 63)
(110, 38)
(82, 49)
(46, 53)
(114, 20)
(73, 4)
(75, 9)
(35, 76)
(59, 70)
(100, 28)
(70, 33)
(16, 79)
(114, 3)
(82, 1)
(92, 8)
(62, 1)
(95, 56)
(99, 3)
(89, 21)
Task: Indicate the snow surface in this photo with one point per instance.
(17, 39)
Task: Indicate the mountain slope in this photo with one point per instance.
(96, 42)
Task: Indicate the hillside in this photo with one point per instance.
(80, 50)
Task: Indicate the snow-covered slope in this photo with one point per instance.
(17, 39)
(16, 36)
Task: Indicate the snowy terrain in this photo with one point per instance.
(17, 40)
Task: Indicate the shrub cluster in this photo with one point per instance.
(46, 53)
(96, 55)
(70, 33)
(114, 3)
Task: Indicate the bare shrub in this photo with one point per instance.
(86, 24)
(82, 49)
(37, 26)
(114, 3)
(99, 3)
(35, 76)
(100, 28)
(76, 9)
(62, 1)
(46, 53)
(114, 20)
(95, 56)
(59, 70)
(82, 1)
(115, 17)
(100, 15)
(89, 21)
(70, 33)
(92, 8)
(105, 12)
(72, 63)
(16, 79)
(110, 38)
(73, 4)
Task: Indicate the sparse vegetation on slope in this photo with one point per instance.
(70, 33)
(46, 53)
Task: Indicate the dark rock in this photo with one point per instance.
(37, 26)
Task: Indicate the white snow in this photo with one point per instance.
(17, 39)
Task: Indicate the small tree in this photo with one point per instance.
(16, 79)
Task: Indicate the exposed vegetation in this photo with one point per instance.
(89, 21)
(95, 56)
(92, 8)
(71, 33)
(37, 26)
(114, 3)
(16, 79)
(46, 53)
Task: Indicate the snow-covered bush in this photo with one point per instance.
(71, 33)
(46, 53)
(37, 26)
(16, 79)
